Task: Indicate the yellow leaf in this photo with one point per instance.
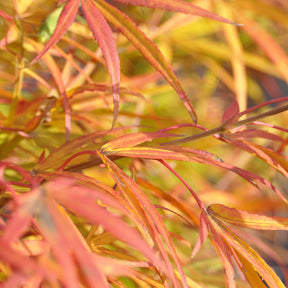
(244, 219)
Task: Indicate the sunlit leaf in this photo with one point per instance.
(178, 6)
(231, 114)
(66, 18)
(103, 34)
(244, 219)
(203, 234)
(149, 50)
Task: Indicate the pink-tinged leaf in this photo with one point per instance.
(219, 236)
(203, 234)
(231, 114)
(70, 191)
(69, 235)
(244, 219)
(148, 153)
(133, 139)
(273, 158)
(104, 36)
(17, 225)
(148, 49)
(25, 174)
(58, 156)
(251, 133)
(177, 6)
(57, 76)
(112, 223)
(66, 18)
(113, 267)
(17, 261)
(6, 16)
(155, 222)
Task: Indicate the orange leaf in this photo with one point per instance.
(148, 49)
(245, 219)
(66, 18)
(133, 139)
(104, 36)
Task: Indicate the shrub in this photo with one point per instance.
(108, 179)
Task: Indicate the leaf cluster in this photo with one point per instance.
(108, 179)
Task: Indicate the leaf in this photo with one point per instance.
(66, 18)
(250, 260)
(231, 114)
(127, 186)
(6, 16)
(101, 216)
(104, 36)
(133, 139)
(237, 61)
(177, 6)
(148, 49)
(18, 261)
(68, 238)
(49, 24)
(57, 76)
(244, 219)
(251, 133)
(203, 234)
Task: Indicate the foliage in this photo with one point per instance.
(101, 171)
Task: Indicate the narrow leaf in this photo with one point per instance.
(66, 18)
(127, 185)
(133, 139)
(245, 252)
(6, 16)
(177, 6)
(203, 234)
(231, 113)
(101, 216)
(104, 36)
(148, 49)
(244, 219)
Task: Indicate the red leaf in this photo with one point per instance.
(148, 49)
(104, 36)
(178, 6)
(66, 18)
(231, 114)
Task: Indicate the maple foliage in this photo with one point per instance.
(106, 180)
